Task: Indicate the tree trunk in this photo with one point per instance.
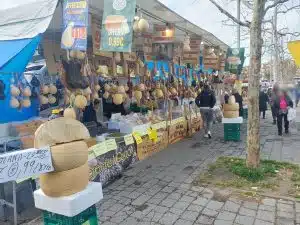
(253, 139)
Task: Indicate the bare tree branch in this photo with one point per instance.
(288, 9)
(228, 14)
(276, 3)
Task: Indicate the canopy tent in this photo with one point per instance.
(21, 24)
(13, 68)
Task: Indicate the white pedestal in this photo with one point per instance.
(71, 205)
(232, 120)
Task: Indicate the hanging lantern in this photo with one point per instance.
(143, 25)
(14, 91)
(118, 99)
(52, 89)
(80, 101)
(27, 92)
(14, 103)
(26, 103)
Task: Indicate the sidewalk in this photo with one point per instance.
(159, 190)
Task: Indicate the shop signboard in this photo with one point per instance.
(117, 23)
(75, 23)
(294, 49)
(235, 60)
(164, 33)
(108, 159)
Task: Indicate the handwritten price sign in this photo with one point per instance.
(25, 163)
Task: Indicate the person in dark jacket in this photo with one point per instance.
(263, 103)
(206, 100)
(89, 114)
(272, 99)
(281, 105)
(239, 100)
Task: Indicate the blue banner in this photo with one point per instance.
(75, 22)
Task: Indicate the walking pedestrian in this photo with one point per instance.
(282, 104)
(263, 103)
(206, 100)
(239, 100)
(273, 97)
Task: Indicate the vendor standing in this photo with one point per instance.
(90, 112)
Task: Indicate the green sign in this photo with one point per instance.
(235, 60)
(117, 23)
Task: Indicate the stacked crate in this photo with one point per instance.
(232, 128)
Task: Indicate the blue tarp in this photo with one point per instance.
(14, 58)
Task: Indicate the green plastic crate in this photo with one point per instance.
(232, 136)
(87, 217)
(245, 114)
(232, 127)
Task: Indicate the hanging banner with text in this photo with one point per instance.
(117, 23)
(75, 23)
(24, 164)
(235, 60)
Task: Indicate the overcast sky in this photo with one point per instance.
(204, 14)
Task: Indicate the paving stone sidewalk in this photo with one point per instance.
(159, 190)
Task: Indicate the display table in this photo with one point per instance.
(77, 209)
(232, 128)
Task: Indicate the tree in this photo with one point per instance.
(259, 9)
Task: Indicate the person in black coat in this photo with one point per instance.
(206, 100)
(89, 114)
(263, 103)
(239, 100)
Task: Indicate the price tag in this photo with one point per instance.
(99, 149)
(128, 139)
(91, 155)
(137, 138)
(111, 144)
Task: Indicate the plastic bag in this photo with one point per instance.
(291, 114)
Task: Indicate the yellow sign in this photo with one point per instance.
(137, 138)
(128, 139)
(99, 149)
(152, 134)
(111, 144)
(294, 48)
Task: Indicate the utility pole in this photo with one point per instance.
(238, 30)
(275, 66)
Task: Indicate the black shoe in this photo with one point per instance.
(286, 131)
(209, 135)
(274, 122)
(279, 134)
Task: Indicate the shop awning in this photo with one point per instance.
(21, 19)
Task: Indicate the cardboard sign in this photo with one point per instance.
(177, 131)
(128, 139)
(111, 144)
(99, 149)
(137, 138)
(25, 163)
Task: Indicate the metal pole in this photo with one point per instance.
(238, 26)
(238, 30)
(275, 75)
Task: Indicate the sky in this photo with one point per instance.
(204, 14)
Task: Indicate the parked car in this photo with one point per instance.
(39, 70)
